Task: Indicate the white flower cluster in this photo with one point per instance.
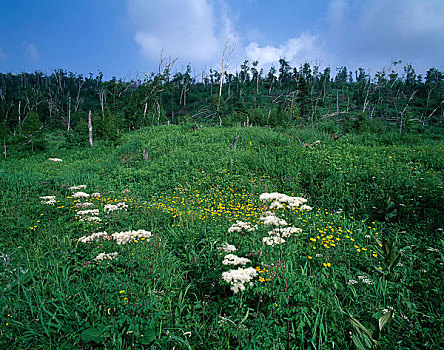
(96, 194)
(285, 232)
(270, 219)
(48, 200)
(232, 259)
(278, 234)
(84, 205)
(351, 282)
(119, 237)
(280, 200)
(128, 236)
(241, 225)
(55, 160)
(88, 215)
(228, 248)
(75, 188)
(273, 240)
(98, 236)
(239, 277)
(106, 256)
(365, 280)
(80, 195)
(113, 207)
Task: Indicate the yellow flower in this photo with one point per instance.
(310, 257)
(122, 291)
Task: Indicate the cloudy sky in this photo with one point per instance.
(126, 37)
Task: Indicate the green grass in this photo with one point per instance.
(167, 291)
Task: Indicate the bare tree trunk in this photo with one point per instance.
(69, 113)
(337, 104)
(19, 111)
(90, 129)
(401, 119)
(224, 65)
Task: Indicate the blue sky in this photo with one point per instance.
(127, 37)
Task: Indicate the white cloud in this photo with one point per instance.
(191, 30)
(297, 50)
(374, 32)
(3, 56)
(32, 51)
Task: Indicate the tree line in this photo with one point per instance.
(33, 103)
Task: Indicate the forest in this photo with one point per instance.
(32, 103)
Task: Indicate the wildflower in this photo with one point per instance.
(99, 236)
(270, 219)
(105, 256)
(232, 259)
(128, 236)
(88, 215)
(238, 278)
(80, 195)
(83, 205)
(273, 240)
(279, 198)
(228, 248)
(285, 231)
(351, 282)
(365, 280)
(113, 207)
(48, 200)
(55, 160)
(80, 187)
(96, 194)
(241, 225)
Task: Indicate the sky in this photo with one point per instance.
(128, 38)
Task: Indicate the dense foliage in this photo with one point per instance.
(33, 102)
(361, 269)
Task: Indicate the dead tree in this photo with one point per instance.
(90, 129)
(234, 143)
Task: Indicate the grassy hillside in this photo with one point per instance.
(370, 248)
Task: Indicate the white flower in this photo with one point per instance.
(129, 236)
(119, 237)
(96, 194)
(80, 195)
(80, 187)
(105, 256)
(273, 240)
(351, 282)
(84, 205)
(99, 236)
(55, 159)
(365, 280)
(228, 248)
(305, 207)
(232, 259)
(91, 218)
(270, 219)
(48, 200)
(238, 278)
(280, 198)
(113, 207)
(241, 225)
(285, 231)
(87, 212)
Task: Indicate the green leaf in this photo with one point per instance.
(385, 319)
(394, 260)
(393, 277)
(147, 337)
(95, 334)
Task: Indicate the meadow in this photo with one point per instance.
(173, 240)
